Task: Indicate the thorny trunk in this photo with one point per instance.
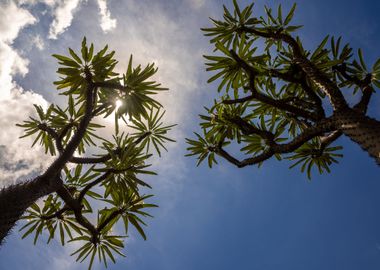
(361, 129)
(15, 199)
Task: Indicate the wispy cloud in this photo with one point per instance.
(157, 37)
(38, 42)
(11, 62)
(196, 3)
(106, 22)
(12, 20)
(33, 2)
(63, 15)
(15, 103)
(17, 159)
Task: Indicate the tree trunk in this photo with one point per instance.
(361, 129)
(15, 199)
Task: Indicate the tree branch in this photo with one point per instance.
(65, 156)
(100, 108)
(330, 138)
(53, 134)
(362, 105)
(238, 100)
(325, 125)
(265, 98)
(304, 85)
(57, 214)
(111, 85)
(92, 184)
(364, 84)
(313, 73)
(77, 209)
(311, 93)
(288, 100)
(240, 164)
(113, 215)
(247, 129)
(102, 159)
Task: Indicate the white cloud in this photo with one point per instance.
(152, 37)
(34, 2)
(11, 63)
(106, 22)
(16, 157)
(196, 3)
(63, 15)
(159, 37)
(12, 20)
(25, 2)
(38, 42)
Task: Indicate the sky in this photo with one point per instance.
(224, 218)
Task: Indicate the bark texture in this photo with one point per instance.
(15, 199)
(361, 129)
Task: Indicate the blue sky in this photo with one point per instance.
(224, 218)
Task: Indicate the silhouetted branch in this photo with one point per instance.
(68, 152)
(319, 129)
(330, 138)
(102, 159)
(76, 207)
(267, 99)
(313, 73)
(364, 84)
(113, 215)
(57, 214)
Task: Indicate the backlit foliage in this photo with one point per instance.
(102, 193)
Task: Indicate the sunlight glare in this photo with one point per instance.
(118, 104)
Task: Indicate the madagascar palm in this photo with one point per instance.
(73, 185)
(280, 99)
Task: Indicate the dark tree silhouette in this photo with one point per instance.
(276, 94)
(110, 180)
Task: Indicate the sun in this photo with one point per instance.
(118, 103)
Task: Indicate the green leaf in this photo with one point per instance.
(135, 223)
(92, 258)
(237, 9)
(84, 50)
(75, 56)
(361, 59)
(279, 14)
(30, 230)
(376, 66)
(91, 52)
(62, 234)
(321, 46)
(290, 14)
(109, 253)
(222, 48)
(66, 60)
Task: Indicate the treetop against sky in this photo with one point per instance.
(221, 218)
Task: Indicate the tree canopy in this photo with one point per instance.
(88, 196)
(281, 100)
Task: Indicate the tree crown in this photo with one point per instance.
(98, 193)
(275, 93)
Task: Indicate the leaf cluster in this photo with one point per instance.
(103, 191)
(268, 103)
